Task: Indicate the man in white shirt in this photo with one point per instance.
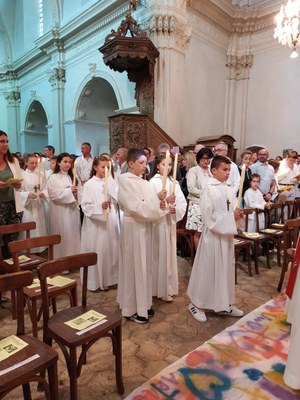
(266, 173)
(221, 149)
(84, 163)
(121, 160)
(49, 152)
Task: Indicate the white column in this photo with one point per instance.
(13, 119)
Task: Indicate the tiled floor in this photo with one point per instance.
(148, 348)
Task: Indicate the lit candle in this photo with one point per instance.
(174, 173)
(241, 185)
(165, 173)
(44, 169)
(106, 189)
(82, 169)
(39, 177)
(74, 174)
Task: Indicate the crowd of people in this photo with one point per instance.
(125, 206)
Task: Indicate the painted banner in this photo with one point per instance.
(245, 361)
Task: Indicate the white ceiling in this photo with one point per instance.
(252, 3)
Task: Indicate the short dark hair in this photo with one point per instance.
(254, 176)
(205, 151)
(134, 154)
(87, 144)
(217, 160)
(49, 147)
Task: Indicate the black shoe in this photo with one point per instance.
(151, 313)
(139, 320)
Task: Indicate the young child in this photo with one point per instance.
(212, 280)
(63, 208)
(164, 261)
(99, 230)
(253, 198)
(34, 195)
(141, 206)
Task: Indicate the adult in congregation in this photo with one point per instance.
(197, 178)
(221, 149)
(286, 176)
(49, 153)
(11, 208)
(245, 160)
(84, 163)
(266, 172)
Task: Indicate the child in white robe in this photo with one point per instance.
(141, 205)
(99, 232)
(34, 195)
(212, 280)
(253, 198)
(164, 256)
(63, 207)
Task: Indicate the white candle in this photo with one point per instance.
(174, 173)
(105, 183)
(74, 174)
(39, 177)
(165, 174)
(109, 168)
(82, 169)
(241, 185)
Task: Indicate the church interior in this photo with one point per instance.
(119, 73)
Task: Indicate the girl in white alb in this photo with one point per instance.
(34, 195)
(99, 231)
(164, 257)
(63, 208)
(253, 198)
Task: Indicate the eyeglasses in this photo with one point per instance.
(220, 149)
(262, 154)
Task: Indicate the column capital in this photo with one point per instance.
(13, 98)
(57, 78)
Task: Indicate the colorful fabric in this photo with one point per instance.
(245, 361)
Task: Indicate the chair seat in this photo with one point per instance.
(35, 293)
(34, 261)
(63, 333)
(291, 252)
(16, 376)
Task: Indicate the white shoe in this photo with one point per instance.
(234, 312)
(167, 299)
(198, 314)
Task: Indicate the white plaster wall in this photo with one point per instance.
(204, 95)
(273, 117)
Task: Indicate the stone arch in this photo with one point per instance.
(97, 100)
(35, 134)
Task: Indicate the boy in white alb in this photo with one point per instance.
(212, 280)
(141, 205)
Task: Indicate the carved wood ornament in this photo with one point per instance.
(135, 54)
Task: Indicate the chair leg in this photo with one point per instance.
(72, 369)
(53, 381)
(278, 252)
(248, 253)
(26, 391)
(281, 279)
(255, 254)
(268, 254)
(118, 358)
(13, 304)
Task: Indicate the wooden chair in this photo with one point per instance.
(257, 241)
(30, 363)
(34, 260)
(290, 235)
(275, 235)
(68, 338)
(276, 216)
(33, 295)
(288, 210)
(239, 246)
(6, 267)
(297, 208)
(185, 236)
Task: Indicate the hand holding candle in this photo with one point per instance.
(174, 173)
(165, 174)
(39, 176)
(243, 173)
